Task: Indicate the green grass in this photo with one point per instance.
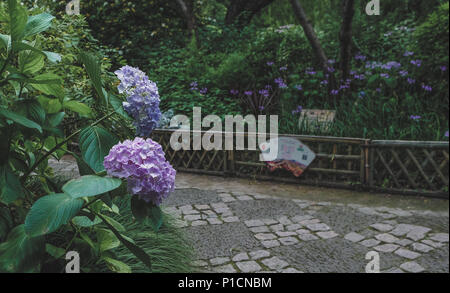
(168, 248)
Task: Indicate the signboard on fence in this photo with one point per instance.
(293, 155)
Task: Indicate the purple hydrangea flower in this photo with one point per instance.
(324, 82)
(299, 87)
(408, 53)
(284, 68)
(446, 134)
(234, 92)
(427, 88)
(310, 71)
(443, 68)
(143, 164)
(411, 80)
(204, 91)
(270, 63)
(417, 62)
(248, 93)
(362, 94)
(415, 117)
(261, 108)
(403, 73)
(142, 99)
(384, 75)
(334, 92)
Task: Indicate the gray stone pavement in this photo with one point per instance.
(238, 225)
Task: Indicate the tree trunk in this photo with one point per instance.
(187, 8)
(314, 41)
(345, 37)
(241, 12)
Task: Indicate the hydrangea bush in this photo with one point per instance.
(49, 219)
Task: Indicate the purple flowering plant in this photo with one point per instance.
(142, 163)
(142, 99)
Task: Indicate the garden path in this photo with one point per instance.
(240, 225)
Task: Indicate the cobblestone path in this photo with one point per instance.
(243, 226)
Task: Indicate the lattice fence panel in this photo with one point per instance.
(410, 167)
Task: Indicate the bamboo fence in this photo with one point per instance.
(407, 167)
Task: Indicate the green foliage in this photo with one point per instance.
(90, 185)
(95, 143)
(51, 212)
(34, 92)
(433, 36)
(20, 252)
(143, 211)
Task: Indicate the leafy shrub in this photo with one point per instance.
(40, 220)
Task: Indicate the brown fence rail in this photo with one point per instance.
(387, 166)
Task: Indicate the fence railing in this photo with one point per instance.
(406, 167)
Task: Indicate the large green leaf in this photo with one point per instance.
(90, 185)
(21, 253)
(18, 20)
(51, 105)
(52, 57)
(32, 110)
(117, 105)
(19, 119)
(10, 187)
(55, 119)
(95, 144)
(31, 60)
(84, 221)
(32, 63)
(51, 212)
(38, 23)
(94, 71)
(49, 84)
(5, 41)
(77, 107)
(107, 240)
